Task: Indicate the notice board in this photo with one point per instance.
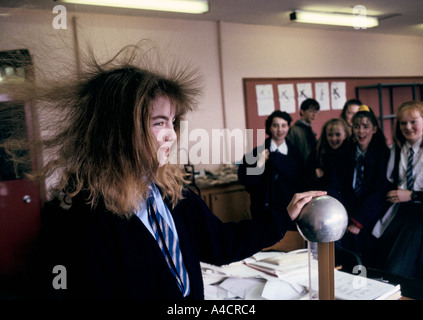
(264, 95)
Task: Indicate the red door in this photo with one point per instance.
(19, 197)
(19, 224)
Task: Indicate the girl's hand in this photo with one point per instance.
(299, 200)
(263, 157)
(398, 195)
(353, 229)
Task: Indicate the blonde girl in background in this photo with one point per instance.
(324, 162)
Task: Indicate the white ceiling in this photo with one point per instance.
(396, 16)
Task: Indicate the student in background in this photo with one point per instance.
(132, 229)
(400, 231)
(348, 111)
(363, 182)
(281, 163)
(325, 161)
(301, 133)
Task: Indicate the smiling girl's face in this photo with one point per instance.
(162, 126)
(335, 134)
(279, 129)
(411, 125)
(363, 130)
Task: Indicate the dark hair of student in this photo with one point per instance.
(308, 103)
(366, 112)
(276, 114)
(347, 104)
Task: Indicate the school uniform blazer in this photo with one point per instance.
(109, 257)
(281, 179)
(303, 137)
(371, 204)
(332, 164)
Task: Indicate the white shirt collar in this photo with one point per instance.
(283, 148)
(358, 152)
(415, 146)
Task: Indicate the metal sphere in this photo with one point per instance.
(323, 219)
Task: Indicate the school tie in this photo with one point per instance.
(169, 245)
(358, 188)
(409, 172)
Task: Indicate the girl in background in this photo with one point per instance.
(348, 111)
(282, 167)
(400, 231)
(324, 162)
(363, 182)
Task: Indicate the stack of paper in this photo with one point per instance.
(357, 287)
(286, 276)
(255, 278)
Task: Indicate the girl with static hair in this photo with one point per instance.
(325, 161)
(132, 229)
(363, 183)
(400, 230)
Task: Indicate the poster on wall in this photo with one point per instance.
(321, 90)
(265, 101)
(338, 95)
(286, 97)
(304, 91)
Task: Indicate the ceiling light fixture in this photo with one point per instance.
(358, 21)
(182, 6)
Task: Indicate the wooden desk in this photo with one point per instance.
(290, 242)
(229, 202)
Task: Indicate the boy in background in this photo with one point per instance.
(301, 133)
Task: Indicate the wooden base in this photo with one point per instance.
(326, 260)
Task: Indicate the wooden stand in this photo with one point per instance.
(326, 261)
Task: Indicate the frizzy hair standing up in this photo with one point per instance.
(103, 145)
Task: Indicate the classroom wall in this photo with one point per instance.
(225, 53)
(273, 52)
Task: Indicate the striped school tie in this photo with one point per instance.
(358, 188)
(169, 245)
(409, 172)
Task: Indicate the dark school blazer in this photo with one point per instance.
(283, 176)
(109, 257)
(371, 204)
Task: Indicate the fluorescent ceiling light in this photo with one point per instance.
(357, 21)
(184, 6)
